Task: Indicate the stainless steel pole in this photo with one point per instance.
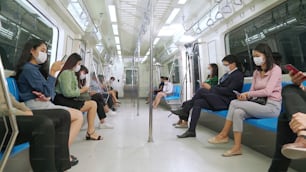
(138, 84)
(150, 139)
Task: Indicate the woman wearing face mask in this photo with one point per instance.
(262, 101)
(102, 107)
(212, 80)
(67, 91)
(36, 85)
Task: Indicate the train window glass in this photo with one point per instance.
(283, 28)
(174, 70)
(17, 25)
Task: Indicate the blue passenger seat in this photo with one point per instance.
(12, 85)
(176, 95)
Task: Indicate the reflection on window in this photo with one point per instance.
(283, 28)
(174, 70)
(17, 25)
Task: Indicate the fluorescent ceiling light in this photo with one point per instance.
(117, 40)
(156, 41)
(118, 47)
(182, 2)
(112, 13)
(115, 29)
(173, 14)
(170, 30)
(186, 39)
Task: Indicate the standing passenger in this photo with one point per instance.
(262, 101)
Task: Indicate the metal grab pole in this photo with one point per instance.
(150, 139)
(138, 84)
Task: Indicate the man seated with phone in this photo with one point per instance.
(216, 98)
(291, 127)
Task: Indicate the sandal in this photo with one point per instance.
(88, 136)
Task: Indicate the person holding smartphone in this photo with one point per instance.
(266, 84)
(291, 127)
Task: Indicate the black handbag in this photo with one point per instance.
(259, 100)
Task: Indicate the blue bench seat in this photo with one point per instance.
(176, 95)
(12, 86)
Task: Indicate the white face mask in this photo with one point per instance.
(209, 72)
(77, 68)
(41, 58)
(82, 76)
(258, 61)
(226, 69)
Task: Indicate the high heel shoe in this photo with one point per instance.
(88, 136)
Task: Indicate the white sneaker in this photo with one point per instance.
(111, 113)
(106, 126)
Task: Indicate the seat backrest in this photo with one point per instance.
(177, 90)
(246, 87)
(12, 86)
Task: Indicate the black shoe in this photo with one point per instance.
(187, 134)
(179, 112)
(74, 162)
(73, 157)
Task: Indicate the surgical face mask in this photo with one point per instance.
(226, 69)
(258, 61)
(82, 76)
(77, 68)
(41, 58)
(209, 72)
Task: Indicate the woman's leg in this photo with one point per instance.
(158, 97)
(61, 121)
(91, 108)
(76, 124)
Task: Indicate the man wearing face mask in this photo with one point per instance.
(215, 98)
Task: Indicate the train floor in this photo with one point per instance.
(126, 149)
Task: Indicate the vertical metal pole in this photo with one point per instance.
(150, 139)
(138, 84)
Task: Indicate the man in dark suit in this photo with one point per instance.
(216, 98)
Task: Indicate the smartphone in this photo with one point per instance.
(291, 68)
(236, 92)
(64, 58)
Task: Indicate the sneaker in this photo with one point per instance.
(111, 113)
(106, 126)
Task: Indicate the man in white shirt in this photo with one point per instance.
(167, 90)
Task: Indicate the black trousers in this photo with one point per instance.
(109, 102)
(48, 134)
(203, 99)
(294, 100)
(98, 98)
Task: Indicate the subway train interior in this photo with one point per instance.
(164, 74)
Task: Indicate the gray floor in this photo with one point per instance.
(125, 148)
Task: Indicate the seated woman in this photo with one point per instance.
(212, 80)
(291, 140)
(102, 107)
(156, 90)
(167, 90)
(262, 101)
(48, 134)
(33, 79)
(67, 91)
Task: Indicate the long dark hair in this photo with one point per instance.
(26, 56)
(72, 60)
(81, 82)
(215, 71)
(266, 50)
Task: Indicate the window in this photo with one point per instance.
(17, 26)
(283, 28)
(174, 70)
